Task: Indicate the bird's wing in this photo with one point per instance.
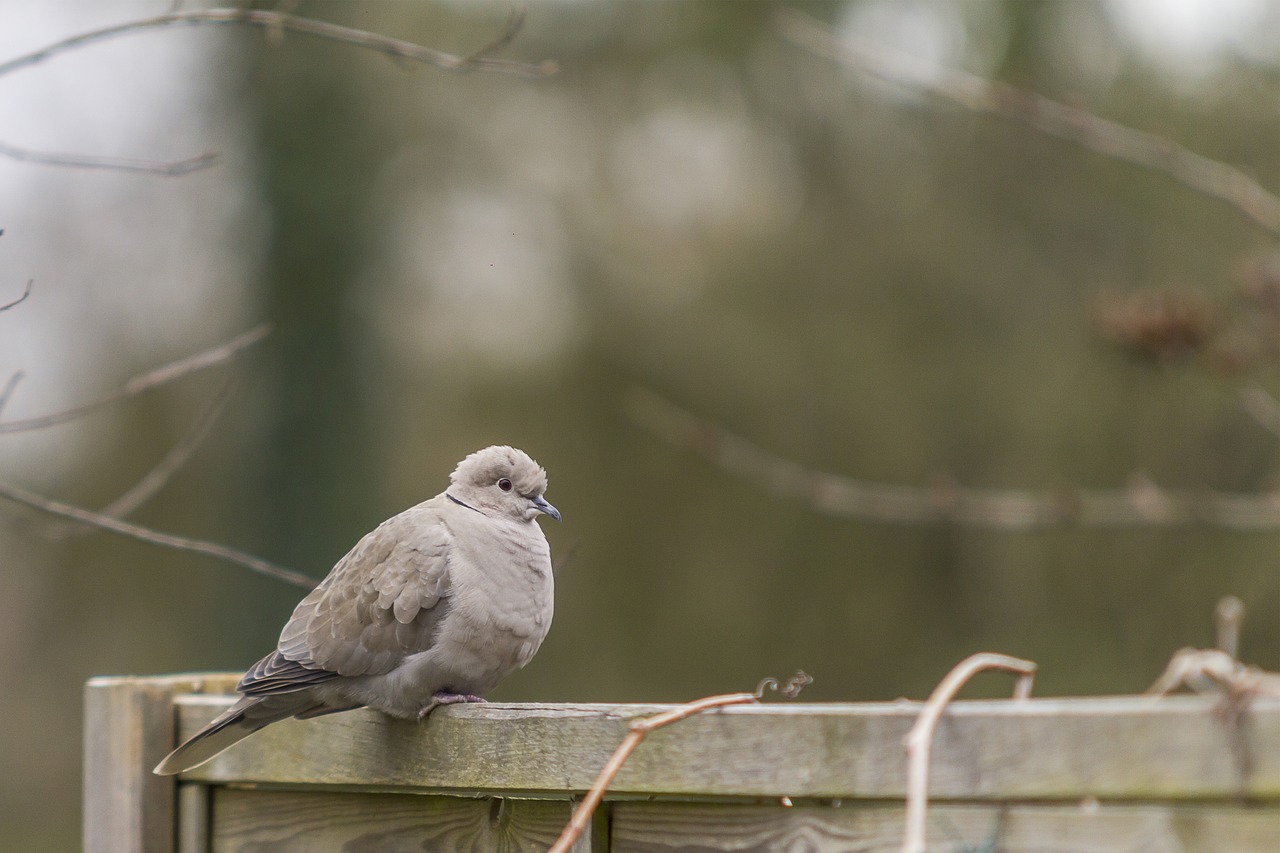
(381, 603)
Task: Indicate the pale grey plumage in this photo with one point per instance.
(436, 605)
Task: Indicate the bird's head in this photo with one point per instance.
(502, 480)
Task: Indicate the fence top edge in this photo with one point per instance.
(215, 693)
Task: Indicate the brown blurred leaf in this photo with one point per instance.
(1160, 324)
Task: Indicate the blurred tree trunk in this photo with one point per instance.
(316, 168)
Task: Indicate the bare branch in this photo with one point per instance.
(789, 690)
(515, 23)
(275, 32)
(147, 381)
(1111, 139)
(158, 477)
(1227, 617)
(281, 22)
(23, 298)
(8, 388)
(166, 540)
(639, 729)
(199, 361)
(1218, 669)
(168, 168)
(275, 23)
(919, 741)
(1214, 671)
(1141, 504)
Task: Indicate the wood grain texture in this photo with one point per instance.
(315, 822)
(664, 827)
(1040, 749)
(1156, 776)
(193, 817)
(129, 726)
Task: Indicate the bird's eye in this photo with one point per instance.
(504, 484)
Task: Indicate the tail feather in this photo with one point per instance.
(233, 725)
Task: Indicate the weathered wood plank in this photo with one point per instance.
(193, 817)
(246, 821)
(708, 828)
(129, 726)
(1168, 774)
(1050, 749)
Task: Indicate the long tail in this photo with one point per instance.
(233, 725)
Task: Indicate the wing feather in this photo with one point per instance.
(381, 603)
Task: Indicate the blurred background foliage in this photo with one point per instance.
(861, 278)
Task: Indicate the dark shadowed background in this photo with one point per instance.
(866, 279)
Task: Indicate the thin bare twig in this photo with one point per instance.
(168, 168)
(151, 379)
(276, 23)
(281, 22)
(1219, 669)
(23, 298)
(1111, 139)
(919, 741)
(789, 690)
(638, 731)
(159, 476)
(515, 23)
(1141, 504)
(1215, 671)
(275, 32)
(154, 537)
(1228, 616)
(199, 361)
(9, 388)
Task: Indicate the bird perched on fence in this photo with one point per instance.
(435, 606)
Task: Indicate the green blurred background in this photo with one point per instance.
(861, 278)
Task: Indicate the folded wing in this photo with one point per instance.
(381, 603)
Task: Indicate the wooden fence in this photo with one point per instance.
(1113, 775)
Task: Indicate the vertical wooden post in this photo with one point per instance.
(596, 838)
(129, 727)
(193, 818)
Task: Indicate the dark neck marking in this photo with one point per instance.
(460, 503)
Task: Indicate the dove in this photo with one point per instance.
(433, 607)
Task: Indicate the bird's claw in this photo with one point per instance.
(444, 698)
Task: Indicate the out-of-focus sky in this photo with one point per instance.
(155, 95)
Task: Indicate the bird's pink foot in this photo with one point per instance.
(444, 698)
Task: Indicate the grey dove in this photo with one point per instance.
(435, 606)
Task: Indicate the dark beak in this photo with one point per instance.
(542, 506)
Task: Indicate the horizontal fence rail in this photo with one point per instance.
(1106, 774)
